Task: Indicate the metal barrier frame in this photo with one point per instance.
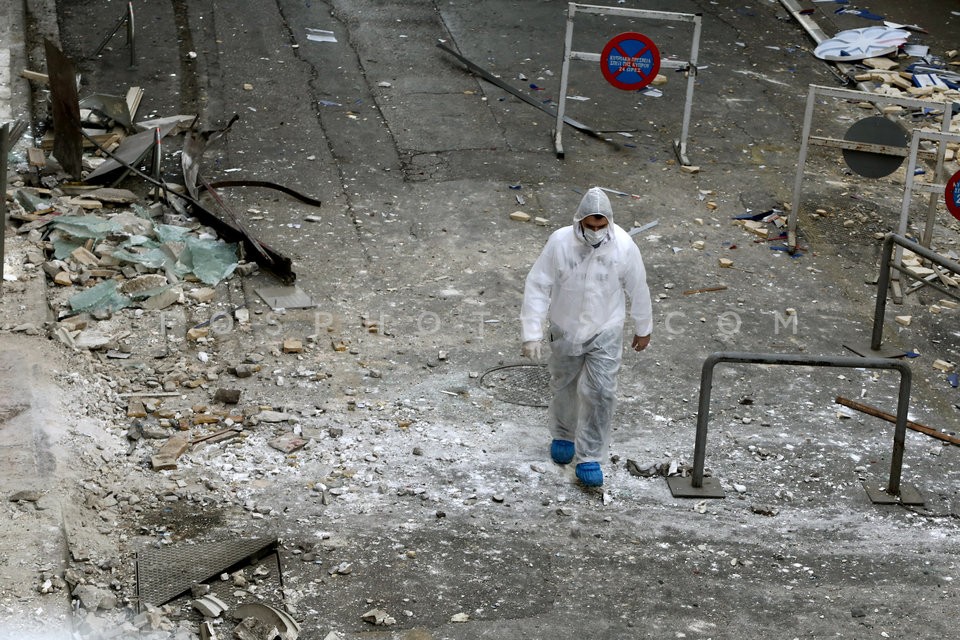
(859, 96)
(696, 486)
(888, 264)
(935, 190)
(680, 146)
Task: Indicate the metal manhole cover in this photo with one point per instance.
(525, 384)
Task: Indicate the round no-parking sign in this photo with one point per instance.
(630, 61)
(952, 195)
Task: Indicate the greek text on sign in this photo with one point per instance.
(630, 61)
(952, 195)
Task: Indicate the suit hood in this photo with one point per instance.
(594, 203)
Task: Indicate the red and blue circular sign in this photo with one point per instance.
(630, 61)
(952, 195)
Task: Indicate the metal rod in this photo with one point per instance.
(110, 35)
(489, 77)
(640, 13)
(933, 199)
(564, 75)
(706, 384)
(691, 81)
(798, 181)
(808, 24)
(130, 35)
(900, 431)
(883, 415)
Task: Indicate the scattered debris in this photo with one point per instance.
(690, 292)
(857, 44)
(286, 628)
(285, 298)
(210, 606)
(166, 456)
(320, 35)
(379, 617)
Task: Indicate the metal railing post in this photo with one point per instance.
(703, 416)
(696, 486)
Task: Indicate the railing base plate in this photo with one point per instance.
(909, 495)
(682, 487)
(867, 352)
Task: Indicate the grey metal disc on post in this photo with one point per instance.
(876, 130)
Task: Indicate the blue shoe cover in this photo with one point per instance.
(590, 474)
(561, 451)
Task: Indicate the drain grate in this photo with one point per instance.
(164, 574)
(524, 384)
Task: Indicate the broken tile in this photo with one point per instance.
(287, 443)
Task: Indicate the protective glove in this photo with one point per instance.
(533, 350)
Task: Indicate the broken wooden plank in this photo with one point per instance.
(690, 292)
(133, 98)
(35, 76)
(36, 158)
(166, 457)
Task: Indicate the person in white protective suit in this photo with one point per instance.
(578, 285)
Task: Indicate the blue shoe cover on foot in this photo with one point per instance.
(590, 474)
(561, 451)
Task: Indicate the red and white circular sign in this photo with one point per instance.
(952, 195)
(630, 61)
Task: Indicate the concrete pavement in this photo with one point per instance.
(438, 495)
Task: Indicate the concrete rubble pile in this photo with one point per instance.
(133, 285)
(137, 314)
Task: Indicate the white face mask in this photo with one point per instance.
(594, 238)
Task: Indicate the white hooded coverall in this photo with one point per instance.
(580, 290)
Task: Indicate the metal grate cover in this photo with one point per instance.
(524, 384)
(164, 574)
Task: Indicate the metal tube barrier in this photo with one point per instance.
(696, 486)
(883, 281)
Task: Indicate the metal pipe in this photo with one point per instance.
(706, 384)
(131, 35)
(883, 283)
